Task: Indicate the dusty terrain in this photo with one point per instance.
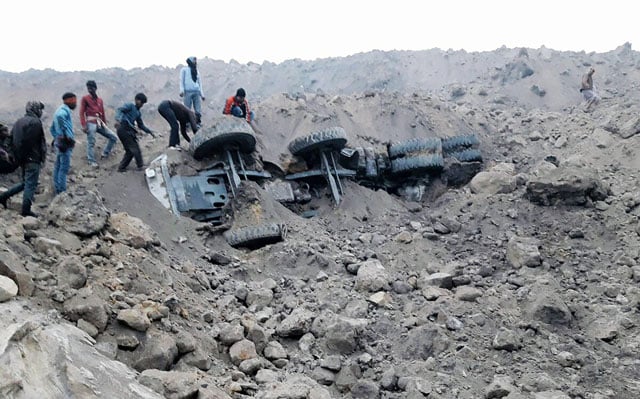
(520, 284)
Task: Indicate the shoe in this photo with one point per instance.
(140, 167)
(3, 201)
(122, 170)
(175, 147)
(29, 213)
(103, 156)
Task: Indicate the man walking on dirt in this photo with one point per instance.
(127, 117)
(63, 141)
(93, 120)
(29, 147)
(238, 106)
(191, 88)
(178, 116)
(588, 90)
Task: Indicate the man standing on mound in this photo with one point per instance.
(588, 90)
(127, 117)
(238, 106)
(191, 87)
(93, 120)
(63, 141)
(178, 116)
(30, 149)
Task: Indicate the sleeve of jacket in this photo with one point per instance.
(142, 126)
(182, 76)
(227, 106)
(43, 142)
(200, 86)
(83, 109)
(246, 104)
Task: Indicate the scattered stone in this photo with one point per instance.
(131, 230)
(171, 384)
(371, 276)
(241, 351)
(566, 185)
(88, 306)
(441, 280)
(523, 251)
(499, 388)
(134, 318)
(468, 293)
(381, 299)
(71, 272)
(127, 342)
(8, 289)
(78, 211)
(231, 333)
(507, 340)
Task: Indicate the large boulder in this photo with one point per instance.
(45, 358)
(566, 185)
(131, 230)
(12, 266)
(79, 211)
(499, 180)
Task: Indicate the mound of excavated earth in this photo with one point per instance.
(520, 284)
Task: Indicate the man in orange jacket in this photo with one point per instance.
(238, 106)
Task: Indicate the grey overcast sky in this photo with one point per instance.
(87, 35)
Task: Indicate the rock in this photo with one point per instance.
(468, 293)
(78, 211)
(630, 128)
(423, 342)
(264, 376)
(323, 376)
(251, 366)
(158, 351)
(197, 358)
(88, 306)
(47, 246)
(341, 337)
(88, 328)
(241, 351)
(381, 299)
(347, 377)
(127, 342)
(546, 305)
(365, 390)
(11, 266)
(523, 251)
(231, 333)
(171, 384)
(389, 379)
(275, 350)
(440, 280)
(8, 289)
(371, 276)
(296, 324)
(499, 388)
(601, 138)
(34, 346)
(566, 185)
(494, 181)
(551, 395)
(185, 342)
(458, 173)
(71, 272)
(332, 363)
(259, 298)
(134, 318)
(507, 340)
(404, 237)
(131, 230)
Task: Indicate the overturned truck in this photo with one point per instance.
(224, 155)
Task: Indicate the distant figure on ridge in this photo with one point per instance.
(238, 106)
(29, 147)
(93, 120)
(191, 88)
(127, 117)
(178, 116)
(588, 90)
(63, 141)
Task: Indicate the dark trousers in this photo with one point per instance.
(167, 113)
(29, 183)
(131, 148)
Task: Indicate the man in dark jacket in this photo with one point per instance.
(177, 115)
(127, 118)
(29, 148)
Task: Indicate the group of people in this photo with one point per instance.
(25, 146)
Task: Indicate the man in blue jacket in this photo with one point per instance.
(127, 117)
(63, 141)
(29, 147)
